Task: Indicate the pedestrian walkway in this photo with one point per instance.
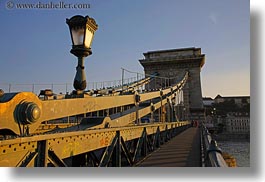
(181, 151)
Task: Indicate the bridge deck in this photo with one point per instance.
(181, 151)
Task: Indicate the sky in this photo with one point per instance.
(36, 44)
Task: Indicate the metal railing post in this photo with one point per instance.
(213, 154)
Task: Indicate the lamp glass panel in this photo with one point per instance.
(78, 36)
(88, 38)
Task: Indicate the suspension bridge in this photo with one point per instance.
(147, 122)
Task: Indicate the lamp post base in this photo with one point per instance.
(79, 93)
(80, 85)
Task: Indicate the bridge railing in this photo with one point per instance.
(63, 87)
(212, 154)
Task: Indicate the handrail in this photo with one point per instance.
(213, 154)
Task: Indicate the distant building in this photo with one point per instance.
(239, 100)
(207, 101)
(238, 124)
(236, 121)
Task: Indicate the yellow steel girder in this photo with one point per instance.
(53, 109)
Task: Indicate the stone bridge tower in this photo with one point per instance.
(173, 64)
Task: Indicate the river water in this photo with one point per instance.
(238, 149)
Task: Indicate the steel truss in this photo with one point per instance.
(124, 146)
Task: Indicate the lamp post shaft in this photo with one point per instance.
(80, 76)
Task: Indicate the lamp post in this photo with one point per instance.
(214, 116)
(82, 31)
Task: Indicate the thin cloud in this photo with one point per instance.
(213, 18)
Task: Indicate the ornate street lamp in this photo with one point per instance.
(82, 31)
